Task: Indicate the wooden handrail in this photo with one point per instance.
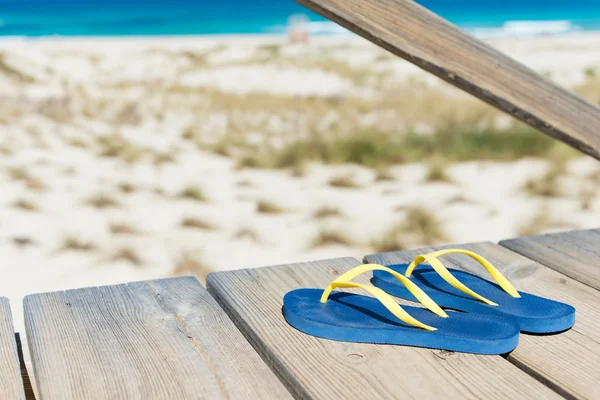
(414, 33)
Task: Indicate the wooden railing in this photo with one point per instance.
(416, 34)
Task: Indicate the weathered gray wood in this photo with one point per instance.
(575, 254)
(567, 362)
(432, 43)
(11, 384)
(325, 369)
(164, 339)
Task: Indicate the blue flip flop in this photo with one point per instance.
(459, 290)
(380, 319)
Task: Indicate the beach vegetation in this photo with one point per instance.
(123, 228)
(13, 73)
(25, 205)
(77, 143)
(548, 185)
(73, 243)
(331, 237)
(19, 173)
(420, 227)
(247, 233)
(196, 223)
(127, 254)
(160, 158)
(437, 171)
(587, 196)
(541, 222)
(192, 264)
(326, 212)
(126, 187)
(345, 181)
(420, 221)
(384, 175)
(590, 72)
(392, 240)
(244, 183)
(101, 201)
(194, 193)
(378, 149)
(269, 207)
(116, 146)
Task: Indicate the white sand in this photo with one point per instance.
(484, 201)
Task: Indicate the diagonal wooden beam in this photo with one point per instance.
(416, 34)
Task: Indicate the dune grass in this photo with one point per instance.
(127, 254)
(269, 207)
(194, 193)
(126, 187)
(196, 223)
(437, 171)
(587, 195)
(541, 222)
(424, 223)
(247, 233)
(326, 212)
(123, 228)
(116, 146)
(11, 72)
(378, 149)
(345, 181)
(392, 240)
(331, 237)
(102, 201)
(25, 205)
(420, 227)
(547, 185)
(384, 175)
(72, 243)
(19, 173)
(190, 264)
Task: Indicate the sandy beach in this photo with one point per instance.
(139, 158)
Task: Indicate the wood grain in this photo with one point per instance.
(11, 383)
(567, 362)
(325, 369)
(575, 254)
(412, 32)
(164, 339)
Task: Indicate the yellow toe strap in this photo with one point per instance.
(432, 259)
(343, 281)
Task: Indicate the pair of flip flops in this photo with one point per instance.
(492, 314)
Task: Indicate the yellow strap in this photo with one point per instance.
(432, 258)
(343, 281)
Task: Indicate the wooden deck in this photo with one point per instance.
(173, 339)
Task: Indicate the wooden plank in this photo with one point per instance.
(11, 384)
(567, 362)
(575, 254)
(412, 32)
(146, 340)
(319, 368)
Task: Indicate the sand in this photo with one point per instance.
(51, 169)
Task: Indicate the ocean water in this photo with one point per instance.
(182, 17)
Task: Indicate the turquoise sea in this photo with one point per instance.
(184, 17)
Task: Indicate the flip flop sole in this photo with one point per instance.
(534, 314)
(355, 318)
